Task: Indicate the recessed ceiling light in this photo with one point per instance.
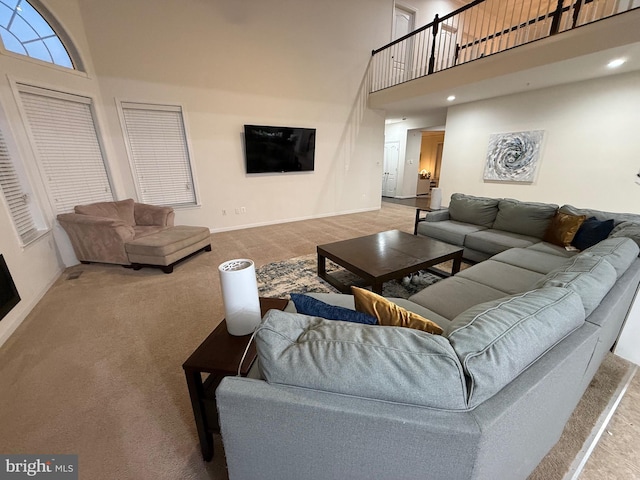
(451, 98)
(616, 63)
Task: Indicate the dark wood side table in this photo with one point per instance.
(219, 355)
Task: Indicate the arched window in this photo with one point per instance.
(27, 28)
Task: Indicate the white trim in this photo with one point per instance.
(18, 85)
(600, 426)
(289, 220)
(121, 105)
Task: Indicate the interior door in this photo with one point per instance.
(403, 23)
(390, 168)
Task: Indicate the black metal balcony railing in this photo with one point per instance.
(481, 28)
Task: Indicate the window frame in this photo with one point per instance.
(19, 86)
(121, 105)
(78, 65)
(40, 226)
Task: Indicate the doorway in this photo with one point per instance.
(403, 23)
(390, 169)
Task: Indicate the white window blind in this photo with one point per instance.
(16, 197)
(66, 140)
(159, 154)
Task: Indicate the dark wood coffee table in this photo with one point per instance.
(385, 256)
(219, 355)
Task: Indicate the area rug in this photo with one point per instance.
(300, 275)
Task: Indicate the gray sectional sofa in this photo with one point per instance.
(524, 333)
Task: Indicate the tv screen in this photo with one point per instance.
(279, 149)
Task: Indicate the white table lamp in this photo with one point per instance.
(240, 296)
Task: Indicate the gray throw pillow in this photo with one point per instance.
(475, 210)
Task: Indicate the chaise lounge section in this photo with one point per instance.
(524, 333)
(132, 234)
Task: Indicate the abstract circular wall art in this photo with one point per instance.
(513, 157)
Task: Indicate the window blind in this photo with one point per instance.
(17, 199)
(159, 153)
(66, 140)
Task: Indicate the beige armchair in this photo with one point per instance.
(130, 233)
(99, 231)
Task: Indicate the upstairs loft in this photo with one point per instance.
(490, 48)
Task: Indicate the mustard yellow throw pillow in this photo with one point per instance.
(390, 314)
(563, 228)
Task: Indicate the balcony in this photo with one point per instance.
(490, 48)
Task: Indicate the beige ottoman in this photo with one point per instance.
(166, 248)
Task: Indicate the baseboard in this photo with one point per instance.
(13, 323)
(600, 426)
(290, 220)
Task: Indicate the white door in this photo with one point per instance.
(403, 23)
(390, 168)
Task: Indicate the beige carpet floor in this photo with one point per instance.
(95, 369)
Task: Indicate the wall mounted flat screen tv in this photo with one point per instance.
(279, 149)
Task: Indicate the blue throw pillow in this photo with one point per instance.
(591, 232)
(310, 306)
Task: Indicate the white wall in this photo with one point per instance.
(36, 266)
(232, 63)
(590, 150)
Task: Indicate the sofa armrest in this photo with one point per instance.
(152, 215)
(437, 215)
(97, 239)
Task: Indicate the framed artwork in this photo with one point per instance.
(513, 157)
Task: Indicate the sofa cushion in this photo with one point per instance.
(448, 231)
(563, 228)
(386, 363)
(526, 218)
(601, 215)
(452, 296)
(307, 305)
(591, 232)
(475, 210)
(590, 276)
(627, 229)
(121, 210)
(502, 276)
(389, 314)
(498, 340)
(495, 241)
(551, 249)
(531, 259)
(618, 251)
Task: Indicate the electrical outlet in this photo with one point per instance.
(237, 211)
(224, 212)
(243, 210)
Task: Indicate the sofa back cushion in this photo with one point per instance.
(497, 340)
(627, 229)
(601, 215)
(475, 210)
(620, 252)
(387, 363)
(590, 276)
(525, 218)
(121, 210)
